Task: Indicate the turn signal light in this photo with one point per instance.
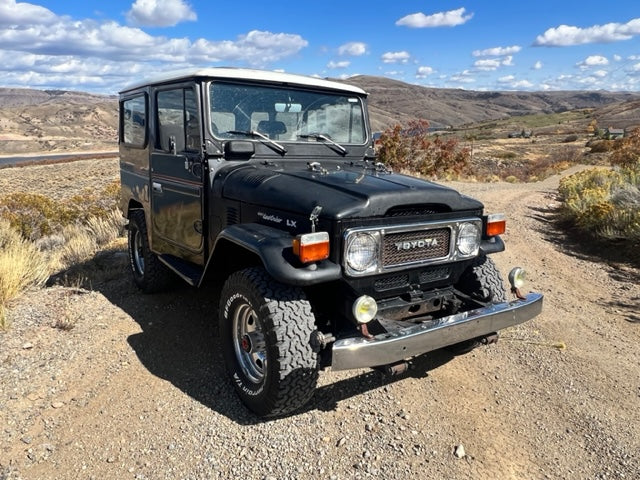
(496, 224)
(311, 247)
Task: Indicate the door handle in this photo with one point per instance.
(157, 187)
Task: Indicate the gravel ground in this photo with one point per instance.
(110, 384)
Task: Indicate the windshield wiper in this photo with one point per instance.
(324, 138)
(254, 133)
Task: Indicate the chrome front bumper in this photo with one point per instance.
(404, 343)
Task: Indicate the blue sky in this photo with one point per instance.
(541, 45)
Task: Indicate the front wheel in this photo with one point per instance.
(481, 281)
(266, 330)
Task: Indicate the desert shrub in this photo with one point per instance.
(36, 216)
(412, 150)
(604, 204)
(600, 146)
(570, 138)
(21, 265)
(627, 153)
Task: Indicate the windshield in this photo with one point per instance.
(285, 114)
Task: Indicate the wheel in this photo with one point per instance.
(481, 281)
(266, 329)
(149, 273)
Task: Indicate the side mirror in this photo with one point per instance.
(239, 150)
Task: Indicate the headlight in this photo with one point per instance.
(362, 252)
(468, 239)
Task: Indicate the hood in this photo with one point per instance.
(343, 193)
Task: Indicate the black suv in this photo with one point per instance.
(269, 180)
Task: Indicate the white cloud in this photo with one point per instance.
(537, 65)
(600, 73)
(12, 13)
(424, 72)
(510, 81)
(567, 35)
(593, 61)
(160, 13)
(463, 77)
(333, 65)
(490, 64)
(396, 57)
(497, 51)
(617, 58)
(44, 47)
(441, 19)
(354, 49)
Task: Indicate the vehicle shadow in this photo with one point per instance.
(622, 262)
(179, 342)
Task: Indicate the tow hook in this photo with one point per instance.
(394, 369)
(319, 340)
(489, 339)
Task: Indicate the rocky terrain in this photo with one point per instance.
(101, 382)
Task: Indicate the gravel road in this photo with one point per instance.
(137, 389)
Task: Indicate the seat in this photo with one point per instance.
(272, 128)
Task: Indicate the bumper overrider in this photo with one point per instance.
(392, 347)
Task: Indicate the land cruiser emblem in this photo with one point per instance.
(422, 243)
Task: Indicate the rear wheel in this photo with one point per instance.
(149, 273)
(266, 332)
(481, 281)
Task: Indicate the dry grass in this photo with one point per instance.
(54, 219)
(22, 265)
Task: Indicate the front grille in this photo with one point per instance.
(435, 274)
(389, 283)
(417, 246)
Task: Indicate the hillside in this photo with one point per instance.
(33, 121)
(392, 100)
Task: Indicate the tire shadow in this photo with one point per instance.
(179, 342)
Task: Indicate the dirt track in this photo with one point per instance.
(137, 388)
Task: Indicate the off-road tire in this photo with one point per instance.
(481, 281)
(149, 273)
(281, 375)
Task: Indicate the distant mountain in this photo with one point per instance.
(392, 101)
(58, 120)
(21, 97)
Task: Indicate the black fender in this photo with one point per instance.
(274, 247)
(492, 245)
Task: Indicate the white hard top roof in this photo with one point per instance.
(245, 74)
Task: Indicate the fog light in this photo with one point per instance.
(365, 309)
(517, 277)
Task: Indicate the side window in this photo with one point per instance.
(178, 122)
(133, 121)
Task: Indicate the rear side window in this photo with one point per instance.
(178, 124)
(133, 121)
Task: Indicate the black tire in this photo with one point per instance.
(149, 273)
(266, 329)
(481, 281)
